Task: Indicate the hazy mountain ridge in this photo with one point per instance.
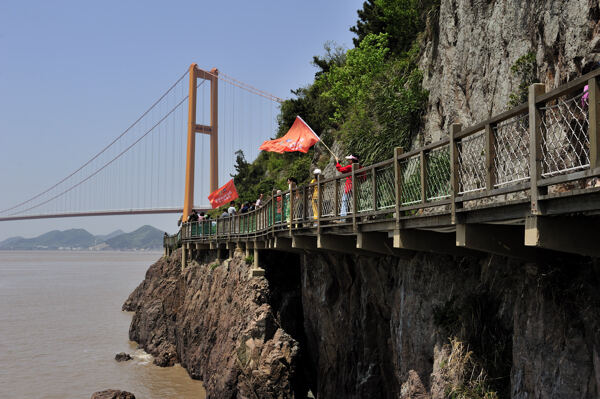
(144, 238)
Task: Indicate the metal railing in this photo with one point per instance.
(551, 140)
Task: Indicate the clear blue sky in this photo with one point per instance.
(75, 74)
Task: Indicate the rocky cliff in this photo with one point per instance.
(472, 45)
(225, 328)
(355, 327)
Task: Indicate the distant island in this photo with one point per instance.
(146, 238)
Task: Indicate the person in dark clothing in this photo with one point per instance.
(193, 216)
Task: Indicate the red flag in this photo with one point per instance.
(223, 195)
(300, 138)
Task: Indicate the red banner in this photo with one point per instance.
(300, 138)
(223, 195)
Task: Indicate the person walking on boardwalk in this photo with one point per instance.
(231, 210)
(292, 183)
(353, 159)
(315, 193)
(259, 201)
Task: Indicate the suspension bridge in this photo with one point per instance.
(188, 135)
(523, 183)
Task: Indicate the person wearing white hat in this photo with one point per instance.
(315, 193)
(348, 186)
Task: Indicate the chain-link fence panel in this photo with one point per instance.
(328, 199)
(385, 186)
(299, 204)
(364, 190)
(471, 163)
(345, 189)
(511, 150)
(438, 173)
(565, 137)
(410, 187)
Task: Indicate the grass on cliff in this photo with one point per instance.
(464, 378)
(476, 320)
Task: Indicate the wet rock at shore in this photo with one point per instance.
(216, 321)
(165, 359)
(122, 357)
(113, 394)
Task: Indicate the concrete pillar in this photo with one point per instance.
(256, 270)
(183, 257)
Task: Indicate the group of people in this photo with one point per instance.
(292, 184)
(195, 217)
(244, 208)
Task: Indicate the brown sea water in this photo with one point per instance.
(61, 325)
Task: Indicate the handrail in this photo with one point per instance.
(527, 147)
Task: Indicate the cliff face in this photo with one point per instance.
(218, 323)
(357, 327)
(376, 327)
(467, 61)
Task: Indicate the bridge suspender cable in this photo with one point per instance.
(101, 151)
(131, 173)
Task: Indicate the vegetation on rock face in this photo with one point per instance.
(475, 320)
(369, 98)
(463, 376)
(524, 69)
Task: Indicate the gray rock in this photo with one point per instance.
(113, 394)
(122, 357)
(467, 69)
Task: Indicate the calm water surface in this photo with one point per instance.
(61, 325)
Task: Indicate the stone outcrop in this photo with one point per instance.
(122, 357)
(468, 55)
(219, 324)
(113, 394)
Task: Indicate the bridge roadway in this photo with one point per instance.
(521, 184)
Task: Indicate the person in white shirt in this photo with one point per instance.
(231, 210)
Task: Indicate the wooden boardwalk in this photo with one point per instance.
(519, 184)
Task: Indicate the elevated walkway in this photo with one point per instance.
(519, 184)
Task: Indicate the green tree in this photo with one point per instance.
(401, 20)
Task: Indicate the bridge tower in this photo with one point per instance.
(212, 130)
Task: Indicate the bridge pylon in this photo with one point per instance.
(212, 130)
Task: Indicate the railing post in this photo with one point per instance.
(319, 203)
(304, 203)
(273, 211)
(423, 177)
(291, 208)
(454, 183)
(536, 154)
(594, 123)
(374, 183)
(354, 187)
(336, 186)
(398, 183)
(490, 154)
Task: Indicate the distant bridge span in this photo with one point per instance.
(100, 213)
(153, 165)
